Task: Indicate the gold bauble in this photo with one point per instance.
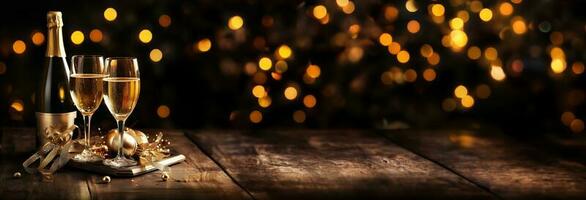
(130, 143)
(139, 136)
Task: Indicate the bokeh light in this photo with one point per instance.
(18, 47)
(145, 36)
(156, 55)
(235, 22)
(110, 14)
(38, 38)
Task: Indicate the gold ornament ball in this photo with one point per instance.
(129, 142)
(139, 136)
(165, 176)
(17, 175)
(106, 179)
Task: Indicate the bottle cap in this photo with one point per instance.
(54, 19)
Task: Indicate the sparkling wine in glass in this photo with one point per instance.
(121, 91)
(85, 87)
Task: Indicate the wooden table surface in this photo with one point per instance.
(325, 164)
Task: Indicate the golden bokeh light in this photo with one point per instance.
(491, 53)
(429, 74)
(567, 118)
(577, 126)
(235, 22)
(299, 116)
(457, 23)
(483, 91)
(391, 13)
(18, 47)
(403, 56)
(394, 48)
(556, 38)
(290, 93)
(519, 26)
(265, 101)
(255, 116)
(461, 91)
(96, 35)
(558, 65)
(458, 39)
(145, 36)
(320, 11)
(557, 52)
(284, 51)
(17, 105)
(281, 66)
(411, 6)
(163, 111)
(349, 8)
(434, 59)
(474, 53)
(204, 45)
(156, 55)
(259, 91)
(38, 38)
(516, 1)
(467, 101)
(426, 50)
(506, 9)
(110, 14)
(342, 3)
(313, 71)
(438, 10)
(413, 26)
(410, 75)
(578, 68)
(77, 37)
(165, 21)
(462, 14)
(476, 6)
(265, 63)
(385, 39)
(485, 14)
(497, 73)
(309, 101)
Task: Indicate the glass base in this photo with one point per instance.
(86, 156)
(119, 162)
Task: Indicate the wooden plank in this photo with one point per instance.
(329, 164)
(510, 168)
(198, 177)
(16, 146)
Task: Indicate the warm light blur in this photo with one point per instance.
(110, 14)
(145, 36)
(165, 21)
(485, 14)
(320, 11)
(342, 3)
(410, 75)
(558, 65)
(299, 116)
(290, 93)
(77, 37)
(459, 39)
(349, 8)
(578, 68)
(490, 53)
(265, 63)
(96, 35)
(284, 51)
(313, 71)
(255, 116)
(457, 23)
(426, 50)
(461, 91)
(506, 9)
(163, 111)
(18, 47)
(429, 74)
(567, 118)
(403, 56)
(410, 6)
(467, 101)
(281, 66)
(265, 101)
(38, 38)
(577, 126)
(413, 26)
(17, 105)
(385, 39)
(391, 13)
(518, 25)
(438, 10)
(259, 91)
(309, 101)
(394, 48)
(497, 73)
(204, 45)
(474, 53)
(156, 55)
(235, 22)
(434, 59)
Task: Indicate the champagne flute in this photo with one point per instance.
(85, 87)
(121, 91)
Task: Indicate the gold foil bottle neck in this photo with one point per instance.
(55, 47)
(54, 19)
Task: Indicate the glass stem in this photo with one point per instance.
(87, 120)
(121, 141)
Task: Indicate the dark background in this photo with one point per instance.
(212, 89)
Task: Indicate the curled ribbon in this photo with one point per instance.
(55, 151)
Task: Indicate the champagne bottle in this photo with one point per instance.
(55, 107)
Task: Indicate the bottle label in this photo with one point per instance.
(59, 121)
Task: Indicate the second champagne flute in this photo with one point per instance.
(85, 85)
(121, 91)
